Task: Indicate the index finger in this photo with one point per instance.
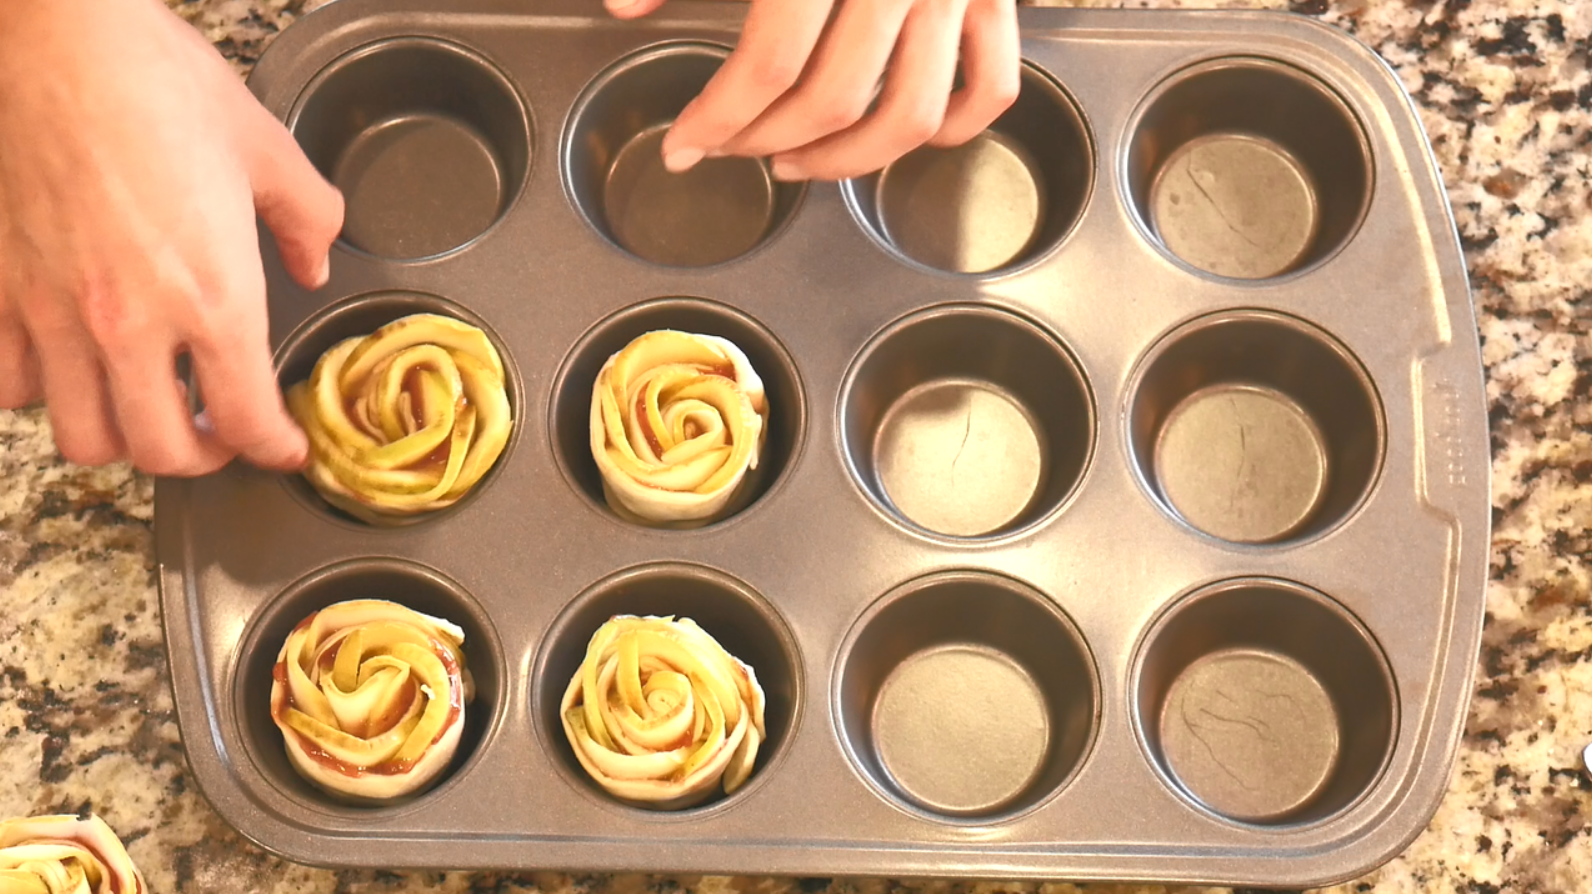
(241, 397)
(231, 355)
(777, 39)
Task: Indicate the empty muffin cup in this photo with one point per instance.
(1265, 702)
(966, 696)
(1248, 168)
(407, 584)
(428, 142)
(1255, 427)
(1004, 198)
(966, 421)
(726, 609)
(784, 419)
(719, 210)
(477, 434)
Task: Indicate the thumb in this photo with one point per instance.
(631, 9)
(303, 211)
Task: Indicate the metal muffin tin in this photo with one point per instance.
(1124, 513)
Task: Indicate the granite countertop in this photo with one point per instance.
(1505, 92)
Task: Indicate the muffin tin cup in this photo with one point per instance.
(784, 427)
(428, 143)
(1248, 168)
(716, 212)
(966, 696)
(1255, 427)
(742, 621)
(994, 204)
(966, 421)
(1265, 702)
(1020, 522)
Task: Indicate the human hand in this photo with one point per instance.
(132, 163)
(801, 92)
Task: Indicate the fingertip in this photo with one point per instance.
(630, 9)
(309, 267)
(678, 161)
(681, 153)
(272, 441)
(967, 117)
(303, 210)
(323, 275)
(288, 453)
(21, 386)
(87, 449)
(209, 457)
(788, 170)
(299, 457)
(90, 455)
(336, 212)
(992, 69)
(953, 135)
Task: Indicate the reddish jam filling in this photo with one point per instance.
(328, 660)
(385, 722)
(283, 700)
(646, 425)
(436, 460)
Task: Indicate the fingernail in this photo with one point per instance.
(681, 160)
(784, 169)
(619, 5)
(300, 457)
(293, 458)
(715, 153)
(325, 274)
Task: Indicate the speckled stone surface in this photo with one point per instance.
(1505, 92)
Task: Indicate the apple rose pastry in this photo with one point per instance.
(370, 698)
(405, 420)
(659, 713)
(677, 419)
(65, 855)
